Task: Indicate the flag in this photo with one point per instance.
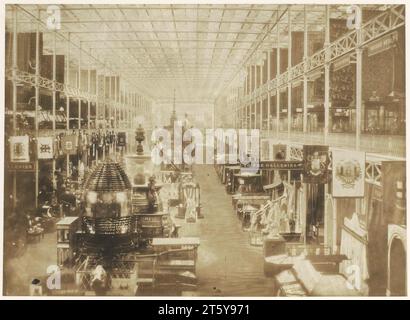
(316, 163)
(19, 149)
(348, 173)
(69, 144)
(45, 147)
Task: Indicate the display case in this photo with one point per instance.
(140, 203)
(154, 225)
(66, 230)
(297, 119)
(229, 180)
(386, 116)
(190, 195)
(343, 119)
(249, 193)
(248, 183)
(283, 120)
(315, 117)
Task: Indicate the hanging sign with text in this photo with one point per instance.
(281, 165)
(21, 166)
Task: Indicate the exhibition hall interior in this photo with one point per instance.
(204, 150)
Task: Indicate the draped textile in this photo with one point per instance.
(354, 246)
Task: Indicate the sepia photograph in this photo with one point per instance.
(204, 150)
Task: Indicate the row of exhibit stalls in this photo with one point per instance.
(71, 169)
(383, 105)
(124, 238)
(65, 148)
(383, 88)
(64, 130)
(61, 121)
(330, 222)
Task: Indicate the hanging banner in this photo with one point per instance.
(348, 173)
(45, 147)
(121, 139)
(19, 149)
(316, 163)
(69, 144)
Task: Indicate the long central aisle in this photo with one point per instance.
(227, 264)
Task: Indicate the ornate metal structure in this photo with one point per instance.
(388, 21)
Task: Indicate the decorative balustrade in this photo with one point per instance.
(384, 23)
(343, 45)
(74, 93)
(389, 145)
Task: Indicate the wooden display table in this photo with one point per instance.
(176, 252)
(164, 244)
(176, 262)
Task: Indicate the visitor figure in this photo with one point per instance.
(152, 196)
(99, 281)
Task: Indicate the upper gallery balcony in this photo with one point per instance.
(391, 145)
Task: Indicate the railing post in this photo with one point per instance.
(54, 105)
(97, 93)
(79, 90)
(68, 101)
(289, 71)
(327, 73)
(255, 83)
(110, 102)
(261, 98)
(277, 77)
(359, 55)
(117, 102)
(88, 101)
(14, 63)
(305, 83)
(248, 104)
(37, 104)
(268, 76)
